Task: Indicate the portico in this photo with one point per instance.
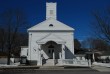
(51, 47)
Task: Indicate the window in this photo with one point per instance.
(51, 12)
(51, 25)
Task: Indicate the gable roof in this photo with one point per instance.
(51, 25)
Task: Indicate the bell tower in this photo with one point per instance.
(51, 11)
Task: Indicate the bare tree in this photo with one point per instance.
(77, 44)
(95, 44)
(87, 43)
(21, 40)
(2, 39)
(12, 20)
(98, 44)
(101, 25)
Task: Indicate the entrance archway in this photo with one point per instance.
(51, 53)
(53, 50)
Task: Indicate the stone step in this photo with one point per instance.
(48, 65)
(49, 62)
(51, 67)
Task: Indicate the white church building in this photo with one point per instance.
(51, 42)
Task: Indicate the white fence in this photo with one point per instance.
(12, 60)
(75, 62)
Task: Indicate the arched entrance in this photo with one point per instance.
(53, 49)
(51, 52)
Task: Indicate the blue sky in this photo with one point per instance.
(75, 13)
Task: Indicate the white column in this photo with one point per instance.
(40, 59)
(60, 57)
(89, 63)
(93, 57)
(53, 58)
(63, 53)
(30, 43)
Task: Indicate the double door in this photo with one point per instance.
(51, 53)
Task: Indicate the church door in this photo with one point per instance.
(50, 52)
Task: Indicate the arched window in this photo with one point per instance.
(51, 25)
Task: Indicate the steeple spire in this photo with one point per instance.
(51, 10)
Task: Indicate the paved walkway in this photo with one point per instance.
(52, 71)
(101, 68)
(34, 68)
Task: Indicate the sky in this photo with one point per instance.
(74, 13)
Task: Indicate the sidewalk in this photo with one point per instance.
(37, 68)
(102, 64)
(101, 68)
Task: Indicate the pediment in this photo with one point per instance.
(51, 37)
(51, 25)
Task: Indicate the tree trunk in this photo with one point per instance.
(9, 52)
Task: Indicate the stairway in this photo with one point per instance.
(51, 68)
(49, 62)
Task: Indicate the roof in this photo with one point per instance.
(51, 25)
(51, 37)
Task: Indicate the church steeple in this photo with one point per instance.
(51, 11)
